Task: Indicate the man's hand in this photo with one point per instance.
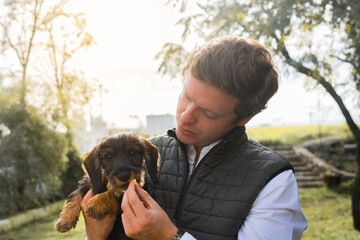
(97, 230)
(143, 218)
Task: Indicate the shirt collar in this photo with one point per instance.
(191, 153)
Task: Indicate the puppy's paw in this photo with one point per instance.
(95, 209)
(67, 223)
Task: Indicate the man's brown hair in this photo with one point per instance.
(240, 67)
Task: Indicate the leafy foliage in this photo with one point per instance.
(317, 38)
(173, 53)
(32, 158)
(72, 173)
(41, 38)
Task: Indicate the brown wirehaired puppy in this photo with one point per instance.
(120, 158)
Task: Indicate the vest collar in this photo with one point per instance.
(237, 134)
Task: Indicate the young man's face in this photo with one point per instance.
(204, 113)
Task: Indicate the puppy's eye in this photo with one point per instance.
(109, 156)
(132, 153)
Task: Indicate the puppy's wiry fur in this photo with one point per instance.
(120, 158)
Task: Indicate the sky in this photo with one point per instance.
(128, 35)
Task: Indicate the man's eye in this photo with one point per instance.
(210, 114)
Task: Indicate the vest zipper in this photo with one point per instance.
(174, 220)
(188, 182)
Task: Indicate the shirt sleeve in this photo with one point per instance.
(276, 212)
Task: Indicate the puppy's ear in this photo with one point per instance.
(93, 169)
(151, 160)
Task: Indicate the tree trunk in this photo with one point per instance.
(350, 122)
(23, 88)
(356, 192)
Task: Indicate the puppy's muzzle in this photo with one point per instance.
(124, 174)
(121, 177)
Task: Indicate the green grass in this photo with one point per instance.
(328, 214)
(293, 135)
(45, 229)
(327, 211)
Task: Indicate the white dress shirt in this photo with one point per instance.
(276, 212)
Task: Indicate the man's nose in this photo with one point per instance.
(189, 115)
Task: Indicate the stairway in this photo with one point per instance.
(305, 175)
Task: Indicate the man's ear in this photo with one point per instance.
(244, 121)
(93, 169)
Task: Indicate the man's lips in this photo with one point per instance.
(185, 131)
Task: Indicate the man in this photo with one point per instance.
(215, 183)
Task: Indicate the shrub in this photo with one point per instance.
(32, 157)
(73, 172)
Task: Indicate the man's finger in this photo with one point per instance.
(86, 198)
(144, 196)
(88, 195)
(126, 205)
(134, 200)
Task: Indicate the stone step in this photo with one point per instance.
(283, 148)
(302, 178)
(299, 164)
(302, 168)
(287, 154)
(293, 158)
(310, 184)
(305, 175)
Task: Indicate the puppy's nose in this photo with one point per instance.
(123, 176)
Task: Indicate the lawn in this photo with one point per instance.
(294, 135)
(45, 229)
(328, 213)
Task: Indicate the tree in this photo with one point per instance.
(24, 22)
(69, 85)
(318, 38)
(35, 30)
(62, 43)
(44, 37)
(32, 159)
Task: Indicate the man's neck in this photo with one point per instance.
(198, 151)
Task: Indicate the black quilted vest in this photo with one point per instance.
(214, 202)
